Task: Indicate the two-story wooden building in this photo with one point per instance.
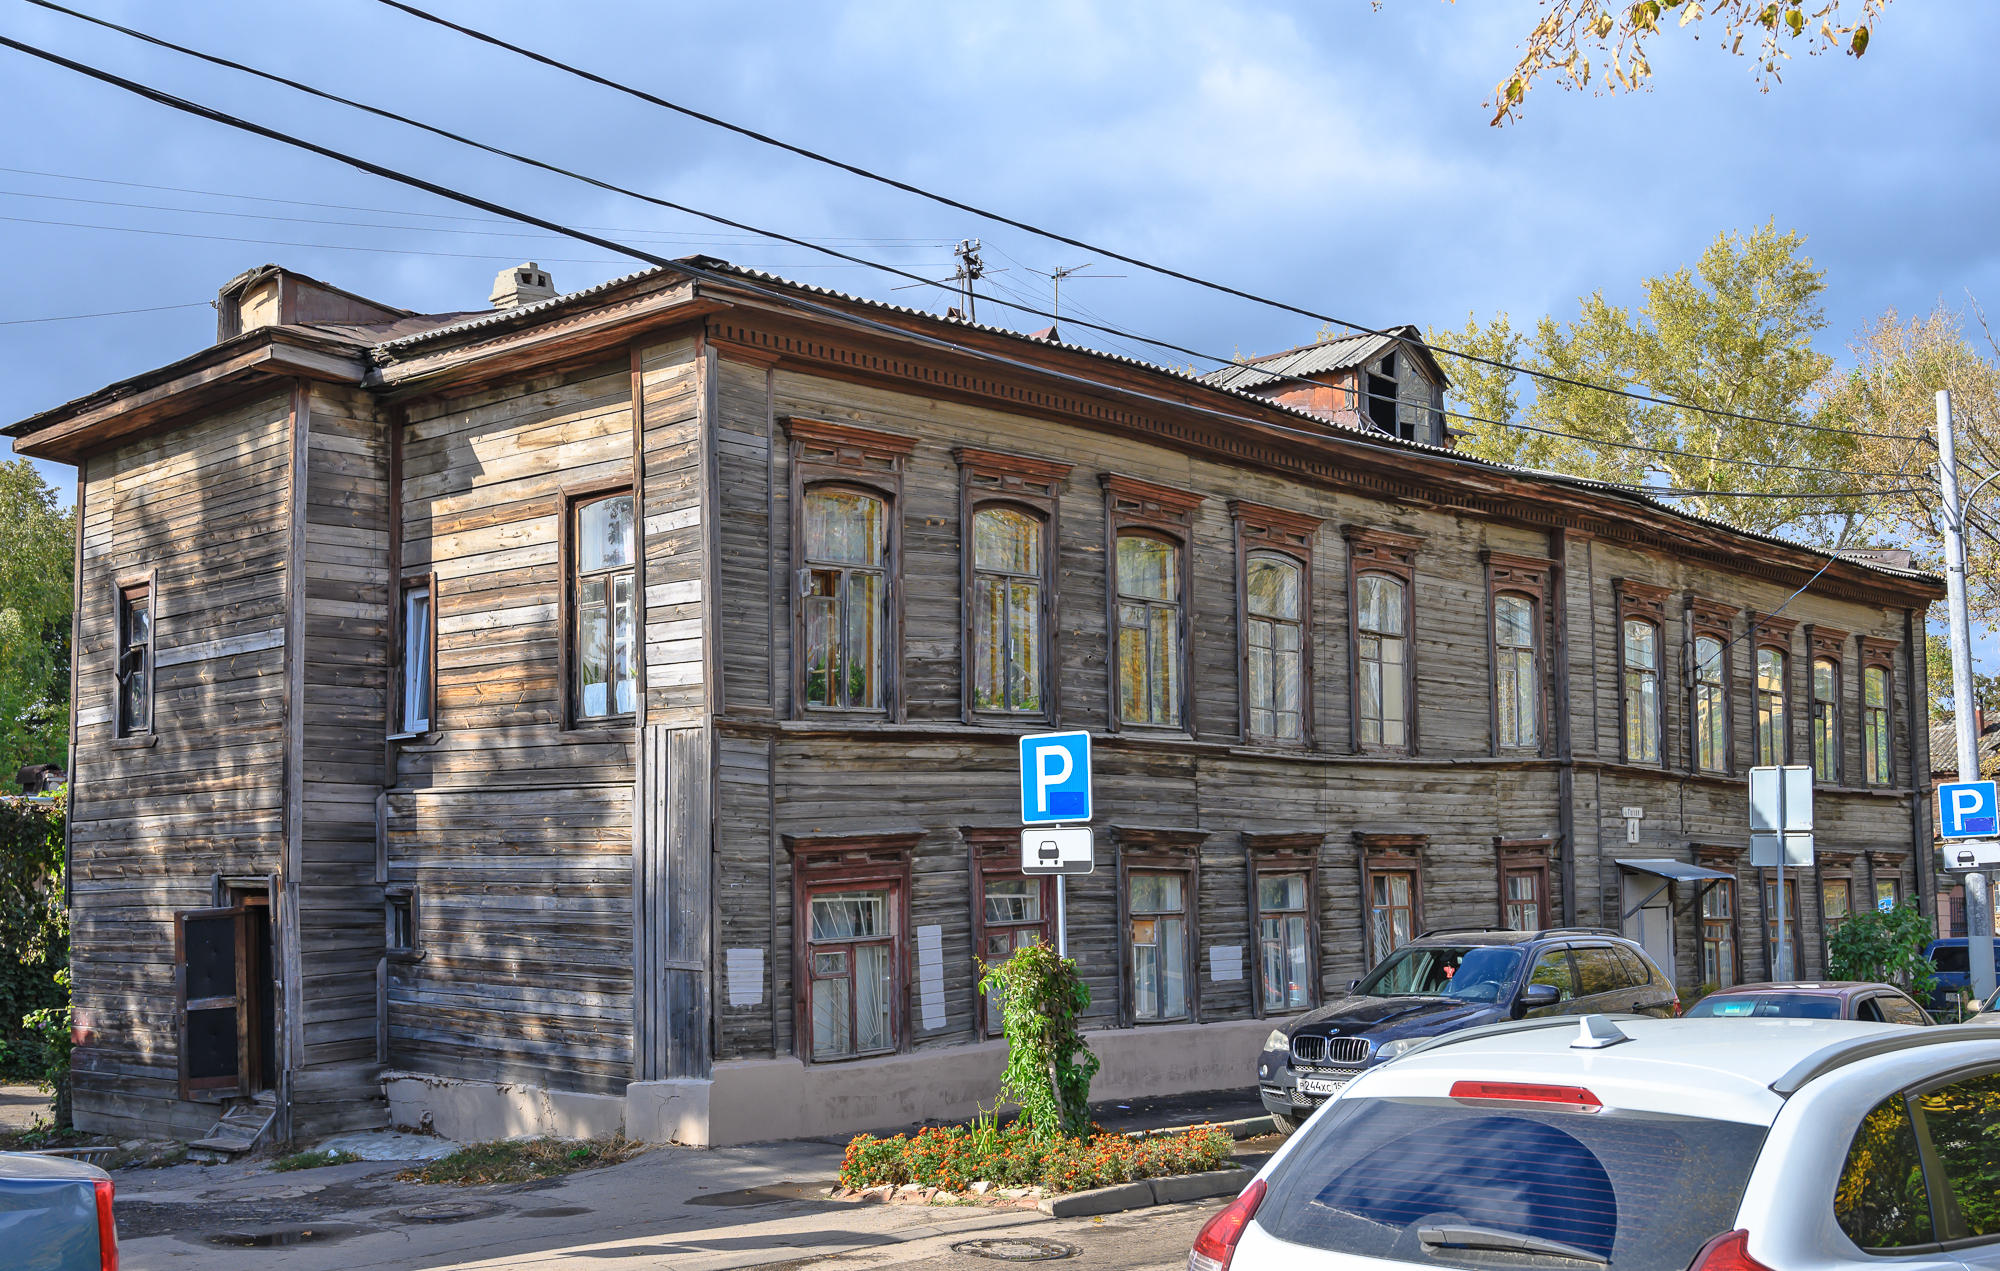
(601, 710)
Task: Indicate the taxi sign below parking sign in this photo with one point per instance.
(1966, 809)
(1055, 778)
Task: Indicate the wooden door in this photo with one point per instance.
(217, 1011)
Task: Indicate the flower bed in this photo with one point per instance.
(953, 1158)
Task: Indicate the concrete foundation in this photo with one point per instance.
(754, 1100)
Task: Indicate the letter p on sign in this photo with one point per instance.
(1055, 778)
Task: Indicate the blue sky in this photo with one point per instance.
(1325, 153)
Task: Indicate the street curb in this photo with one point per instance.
(1171, 1190)
(1246, 1128)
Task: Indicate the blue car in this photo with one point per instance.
(55, 1214)
(1953, 960)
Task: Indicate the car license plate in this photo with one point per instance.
(1322, 1085)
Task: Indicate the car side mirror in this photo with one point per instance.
(1540, 995)
(1353, 985)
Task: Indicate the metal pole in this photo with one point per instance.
(1062, 920)
(1978, 905)
(1782, 968)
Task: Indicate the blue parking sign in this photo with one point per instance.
(1966, 809)
(1055, 778)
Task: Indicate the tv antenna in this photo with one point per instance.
(1056, 277)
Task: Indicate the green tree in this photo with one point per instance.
(1731, 334)
(35, 602)
(1887, 948)
(1937, 673)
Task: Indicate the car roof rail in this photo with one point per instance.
(1505, 1027)
(1446, 931)
(1853, 1051)
(1593, 931)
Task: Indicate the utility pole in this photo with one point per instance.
(1978, 894)
(970, 270)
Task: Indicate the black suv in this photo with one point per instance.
(1447, 980)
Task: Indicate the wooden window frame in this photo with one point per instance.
(1379, 854)
(992, 478)
(1276, 532)
(1527, 577)
(846, 862)
(1827, 644)
(1524, 856)
(1767, 881)
(1283, 854)
(1728, 859)
(995, 852)
(1647, 603)
(1717, 621)
(1772, 633)
(1143, 508)
(1158, 851)
(399, 652)
(824, 453)
(1885, 867)
(1373, 551)
(409, 894)
(125, 590)
(1879, 654)
(568, 500)
(1833, 867)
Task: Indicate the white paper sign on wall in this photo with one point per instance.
(930, 976)
(1225, 962)
(745, 975)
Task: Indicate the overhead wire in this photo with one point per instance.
(1166, 271)
(396, 117)
(113, 313)
(691, 268)
(273, 242)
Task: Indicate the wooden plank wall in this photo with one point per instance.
(516, 831)
(204, 507)
(937, 773)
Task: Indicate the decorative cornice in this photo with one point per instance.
(1510, 568)
(1275, 522)
(991, 838)
(1713, 614)
(1641, 598)
(1836, 860)
(1148, 840)
(1773, 630)
(1402, 844)
(1153, 499)
(998, 463)
(866, 441)
(1523, 847)
(1828, 640)
(828, 851)
(1880, 652)
(1306, 843)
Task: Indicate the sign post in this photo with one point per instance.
(1781, 834)
(1055, 787)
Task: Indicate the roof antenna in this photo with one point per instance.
(1595, 1032)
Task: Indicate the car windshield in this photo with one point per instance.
(1431, 1181)
(1766, 1005)
(1474, 973)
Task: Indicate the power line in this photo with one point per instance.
(693, 270)
(272, 242)
(115, 313)
(1224, 288)
(772, 235)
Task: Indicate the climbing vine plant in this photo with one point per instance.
(1049, 1065)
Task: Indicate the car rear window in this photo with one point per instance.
(1952, 959)
(1766, 1006)
(1643, 1191)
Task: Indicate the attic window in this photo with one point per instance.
(1385, 409)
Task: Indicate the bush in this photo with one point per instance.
(955, 1157)
(1887, 947)
(34, 948)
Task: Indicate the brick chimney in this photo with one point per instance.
(522, 285)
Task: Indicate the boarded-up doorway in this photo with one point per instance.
(226, 997)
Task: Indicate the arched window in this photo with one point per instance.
(845, 606)
(1826, 719)
(1275, 634)
(1149, 630)
(1381, 656)
(1642, 691)
(1006, 610)
(1771, 738)
(1875, 725)
(1516, 687)
(1711, 715)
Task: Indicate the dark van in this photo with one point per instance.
(1447, 980)
(1953, 960)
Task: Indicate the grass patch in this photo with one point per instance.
(42, 1134)
(313, 1160)
(522, 1160)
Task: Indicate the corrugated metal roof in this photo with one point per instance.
(1312, 359)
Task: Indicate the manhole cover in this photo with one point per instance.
(1017, 1249)
(443, 1211)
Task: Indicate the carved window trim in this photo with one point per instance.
(1146, 509)
(1154, 851)
(824, 453)
(1296, 853)
(1264, 530)
(1727, 858)
(1528, 577)
(1715, 621)
(1525, 856)
(1879, 655)
(1380, 855)
(993, 478)
(1885, 867)
(1647, 603)
(1373, 551)
(1775, 633)
(844, 861)
(1827, 644)
(994, 851)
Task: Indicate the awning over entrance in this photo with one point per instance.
(1674, 871)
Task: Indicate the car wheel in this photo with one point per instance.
(1285, 1124)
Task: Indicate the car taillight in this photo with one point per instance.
(1524, 1092)
(1216, 1244)
(107, 1226)
(1729, 1251)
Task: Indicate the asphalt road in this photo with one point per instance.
(1155, 1239)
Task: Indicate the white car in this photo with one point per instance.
(1635, 1144)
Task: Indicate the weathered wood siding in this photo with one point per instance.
(204, 508)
